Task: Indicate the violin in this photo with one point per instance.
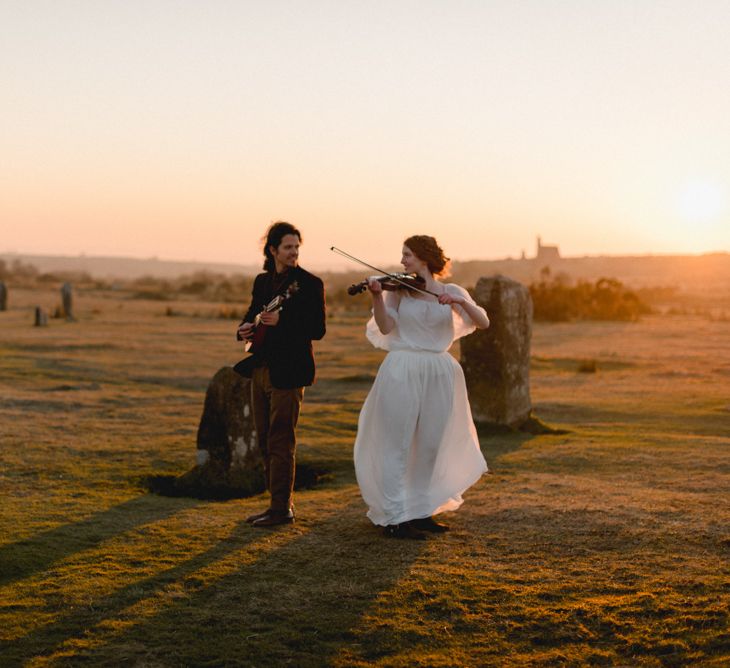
(388, 281)
(391, 282)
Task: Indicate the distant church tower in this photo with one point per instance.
(546, 254)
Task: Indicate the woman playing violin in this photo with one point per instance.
(417, 449)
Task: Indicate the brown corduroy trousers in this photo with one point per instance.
(275, 416)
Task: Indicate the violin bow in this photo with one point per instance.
(387, 273)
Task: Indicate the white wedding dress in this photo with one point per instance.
(417, 449)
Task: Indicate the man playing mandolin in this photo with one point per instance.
(286, 314)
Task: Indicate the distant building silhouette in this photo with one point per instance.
(546, 253)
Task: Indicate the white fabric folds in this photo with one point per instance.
(417, 449)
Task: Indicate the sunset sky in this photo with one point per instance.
(180, 129)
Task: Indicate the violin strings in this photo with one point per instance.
(395, 278)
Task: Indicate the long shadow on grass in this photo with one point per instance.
(588, 587)
(23, 558)
(46, 639)
(567, 577)
(296, 605)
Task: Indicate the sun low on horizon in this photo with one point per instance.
(694, 217)
(703, 204)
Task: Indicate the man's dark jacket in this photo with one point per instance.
(287, 348)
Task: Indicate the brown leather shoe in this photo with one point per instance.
(429, 524)
(273, 518)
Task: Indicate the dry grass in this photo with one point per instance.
(605, 546)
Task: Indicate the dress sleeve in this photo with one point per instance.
(374, 335)
(463, 324)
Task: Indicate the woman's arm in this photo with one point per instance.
(384, 322)
(477, 314)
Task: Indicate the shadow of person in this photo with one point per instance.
(45, 639)
(36, 553)
(300, 600)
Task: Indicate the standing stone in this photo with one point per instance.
(41, 317)
(3, 296)
(67, 300)
(229, 461)
(496, 361)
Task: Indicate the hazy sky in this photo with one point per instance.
(180, 129)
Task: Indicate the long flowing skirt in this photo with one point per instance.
(416, 449)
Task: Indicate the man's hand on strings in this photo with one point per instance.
(270, 318)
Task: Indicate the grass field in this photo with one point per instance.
(608, 545)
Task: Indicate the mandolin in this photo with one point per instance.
(255, 344)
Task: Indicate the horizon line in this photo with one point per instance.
(156, 258)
